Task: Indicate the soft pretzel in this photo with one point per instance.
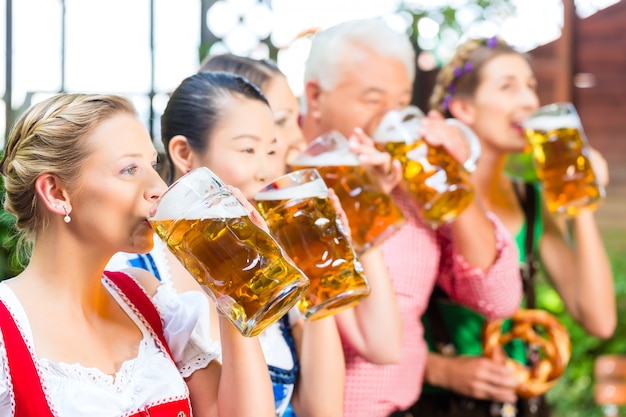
(556, 349)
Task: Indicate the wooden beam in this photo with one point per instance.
(8, 74)
(564, 54)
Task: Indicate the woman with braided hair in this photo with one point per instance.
(491, 87)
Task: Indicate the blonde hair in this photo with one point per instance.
(462, 75)
(49, 138)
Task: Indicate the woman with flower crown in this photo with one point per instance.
(491, 87)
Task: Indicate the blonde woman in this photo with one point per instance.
(80, 177)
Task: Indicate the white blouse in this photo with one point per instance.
(74, 390)
(276, 350)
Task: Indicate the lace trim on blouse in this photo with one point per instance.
(94, 376)
(202, 355)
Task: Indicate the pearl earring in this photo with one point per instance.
(67, 217)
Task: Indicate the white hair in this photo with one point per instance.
(331, 44)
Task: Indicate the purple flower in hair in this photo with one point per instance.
(458, 73)
(492, 42)
(446, 101)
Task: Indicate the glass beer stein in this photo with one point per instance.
(561, 155)
(441, 185)
(372, 214)
(251, 279)
(303, 220)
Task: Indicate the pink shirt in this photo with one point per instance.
(417, 257)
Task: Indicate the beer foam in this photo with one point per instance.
(337, 158)
(399, 126)
(187, 203)
(312, 189)
(548, 123)
(408, 133)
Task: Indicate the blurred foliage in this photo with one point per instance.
(572, 396)
(9, 264)
(456, 14)
(455, 20)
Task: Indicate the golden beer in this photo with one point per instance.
(372, 214)
(564, 169)
(249, 275)
(561, 156)
(440, 185)
(305, 223)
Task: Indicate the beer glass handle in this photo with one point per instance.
(473, 142)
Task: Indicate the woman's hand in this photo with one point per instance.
(341, 214)
(437, 132)
(254, 214)
(387, 173)
(472, 376)
(600, 167)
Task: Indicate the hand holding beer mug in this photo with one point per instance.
(210, 232)
(303, 220)
(372, 214)
(562, 159)
(441, 185)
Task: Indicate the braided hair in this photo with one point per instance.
(50, 137)
(462, 75)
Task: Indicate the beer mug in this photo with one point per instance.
(441, 186)
(561, 154)
(372, 214)
(303, 220)
(209, 231)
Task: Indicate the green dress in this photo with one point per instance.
(464, 326)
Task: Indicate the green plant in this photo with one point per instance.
(572, 396)
(9, 263)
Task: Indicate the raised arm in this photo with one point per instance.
(579, 267)
(581, 273)
(482, 272)
(484, 278)
(373, 326)
(238, 386)
(320, 386)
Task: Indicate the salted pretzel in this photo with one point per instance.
(554, 350)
